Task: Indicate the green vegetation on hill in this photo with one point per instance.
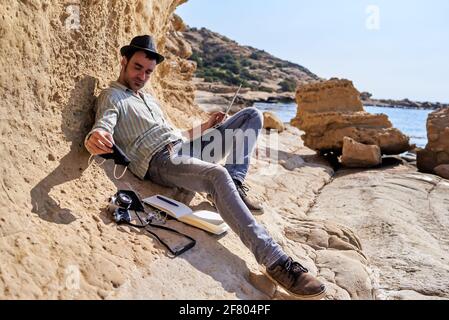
(224, 61)
(288, 85)
(225, 68)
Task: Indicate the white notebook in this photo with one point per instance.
(206, 220)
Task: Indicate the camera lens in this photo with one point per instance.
(124, 201)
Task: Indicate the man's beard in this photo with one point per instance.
(138, 84)
(131, 83)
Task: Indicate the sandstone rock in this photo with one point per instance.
(178, 24)
(272, 121)
(359, 155)
(437, 149)
(175, 43)
(328, 111)
(401, 218)
(48, 227)
(443, 171)
(329, 96)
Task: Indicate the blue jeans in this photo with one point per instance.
(190, 171)
(234, 140)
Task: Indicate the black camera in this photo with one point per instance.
(119, 205)
(125, 201)
(122, 216)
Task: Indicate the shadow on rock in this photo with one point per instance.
(388, 162)
(76, 119)
(292, 161)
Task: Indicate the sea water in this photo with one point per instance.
(411, 122)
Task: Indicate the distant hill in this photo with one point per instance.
(222, 62)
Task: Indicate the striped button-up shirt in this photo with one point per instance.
(136, 123)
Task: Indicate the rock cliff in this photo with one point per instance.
(56, 56)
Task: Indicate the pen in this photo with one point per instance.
(168, 201)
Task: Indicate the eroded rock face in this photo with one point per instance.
(359, 155)
(331, 110)
(52, 69)
(437, 150)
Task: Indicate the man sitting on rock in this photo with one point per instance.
(133, 120)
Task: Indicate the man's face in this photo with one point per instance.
(138, 70)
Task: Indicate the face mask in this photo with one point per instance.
(119, 157)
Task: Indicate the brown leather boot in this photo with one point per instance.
(296, 280)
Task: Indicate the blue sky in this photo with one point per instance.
(392, 48)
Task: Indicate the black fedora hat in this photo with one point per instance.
(144, 43)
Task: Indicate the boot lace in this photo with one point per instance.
(243, 189)
(295, 268)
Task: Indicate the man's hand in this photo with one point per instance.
(100, 142)
(215, 119)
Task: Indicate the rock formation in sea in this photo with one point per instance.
(368, 100)
(330, 110)
(436, 152)
(272, 121)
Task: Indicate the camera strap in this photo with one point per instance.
(89, 162)
(137, 207)
(119, 157)
(174, 252)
